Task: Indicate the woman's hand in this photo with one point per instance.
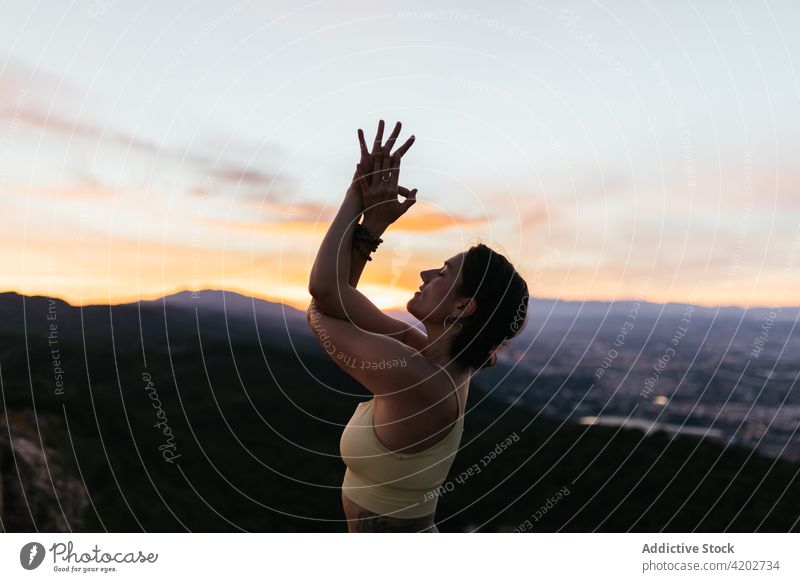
(377, 176)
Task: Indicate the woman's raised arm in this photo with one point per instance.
(376, 186)
(335, 271)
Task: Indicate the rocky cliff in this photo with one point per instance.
(38, 488)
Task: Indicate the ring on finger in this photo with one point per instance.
(385, 178)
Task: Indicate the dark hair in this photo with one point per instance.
(501, 295)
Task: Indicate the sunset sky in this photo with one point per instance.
(610, 150)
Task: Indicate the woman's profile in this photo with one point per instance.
(399, 445)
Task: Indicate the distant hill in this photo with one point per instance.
(214, 314)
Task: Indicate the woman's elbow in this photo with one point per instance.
(330, 304)
(319, 291)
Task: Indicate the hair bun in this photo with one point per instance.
(502, 297)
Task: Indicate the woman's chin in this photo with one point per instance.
(410, 305)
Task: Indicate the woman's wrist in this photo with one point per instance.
(374, 226)
(355, 193)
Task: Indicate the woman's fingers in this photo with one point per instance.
(378, 162)
(387, 148)
(366, 158)
(410, 198)
(386, 167)
(376, 146)
(360, 180)
(377, 165)
(404, 148)
(362, 144)
(394, 166)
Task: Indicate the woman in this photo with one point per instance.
(399, 445)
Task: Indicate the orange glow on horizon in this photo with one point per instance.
(90, 268)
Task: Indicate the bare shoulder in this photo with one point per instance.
(436, 383)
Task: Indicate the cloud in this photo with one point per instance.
(245, 176)
(89, 190)
(37, 105)
(535, 216)
(250, 187)
(25, 94)
(313, 217)
(428, 218)
(55, 124)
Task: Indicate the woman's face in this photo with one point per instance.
(436, 297)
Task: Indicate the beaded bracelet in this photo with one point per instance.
(364, 239)
(363, 233)
(359, 247)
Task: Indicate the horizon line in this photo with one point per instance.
(276, 300)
